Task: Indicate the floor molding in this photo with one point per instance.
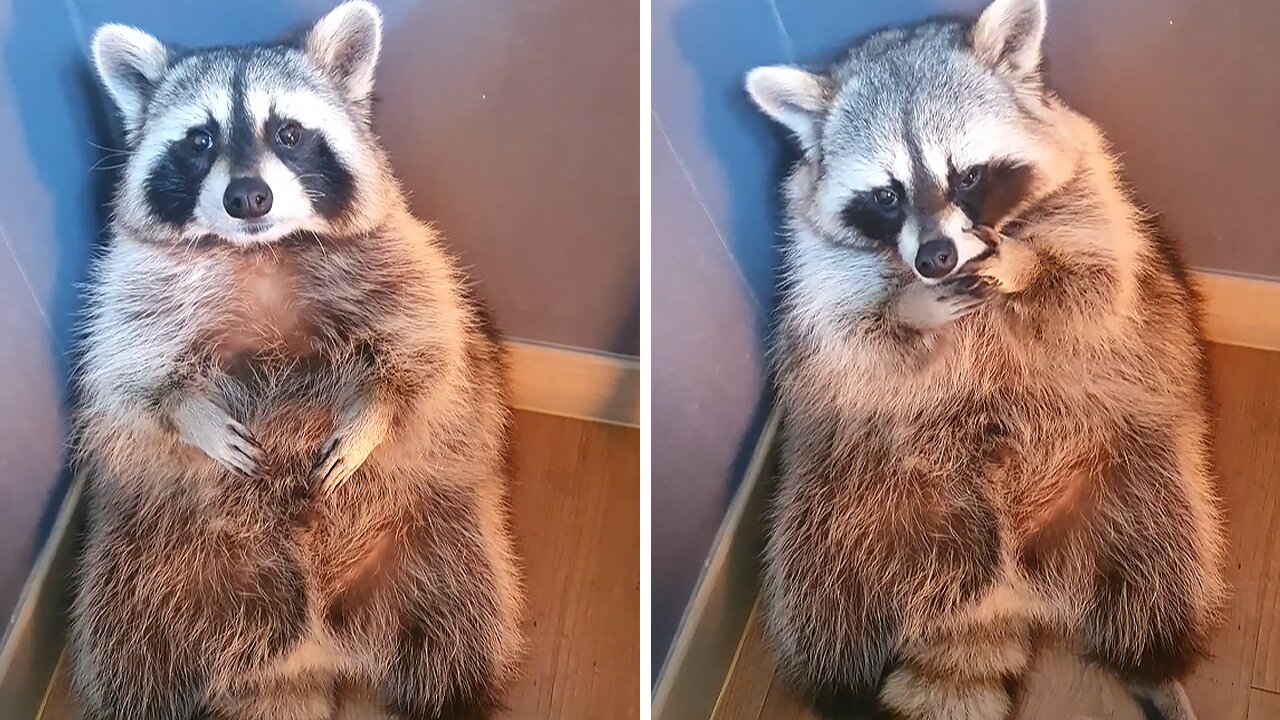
(575, 383)
(33, 644)
(706, 643)
(1240, 310)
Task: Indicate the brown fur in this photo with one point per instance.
(203, 591)
(1037, 465)
(204, 577)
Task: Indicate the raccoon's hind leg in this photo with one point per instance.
(437, 606)
(832, 634)
(971, 673)
(858, 557)
(1163, 701)
(1155, 539)
(166, 609)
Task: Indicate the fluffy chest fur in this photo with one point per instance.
(272, 337)
(236, 305)
(267, 314)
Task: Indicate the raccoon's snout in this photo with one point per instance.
(247, 198)
(936, 258)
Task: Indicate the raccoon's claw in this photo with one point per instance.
(966, 294)
(361, 428)
(1007, 266)
(205, 425)
(987, 235)
(339, 459)
(241, 452)
(968, 289)
(325, 469)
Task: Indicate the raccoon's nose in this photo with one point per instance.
(247, 198)
(936, 258)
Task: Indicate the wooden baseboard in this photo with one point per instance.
(575, 383)
(33, 644)
(706, 644)
(1240, 310)
(545, 378)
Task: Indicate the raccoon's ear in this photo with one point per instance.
(793, 97)
(1009, 36)
(345, 44)
(130, 64)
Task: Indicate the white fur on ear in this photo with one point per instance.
(1009, 35)
(793, 97)
(130, 64)
(345, 44)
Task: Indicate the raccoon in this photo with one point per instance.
(293, 409)
(994, 401)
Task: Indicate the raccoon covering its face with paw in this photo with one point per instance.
(983, 358)
(922, 134)
(292, 408)
(248, 145)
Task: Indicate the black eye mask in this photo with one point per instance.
(1002, 187)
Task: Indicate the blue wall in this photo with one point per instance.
(515, 127)
(48, 222)
(716, 164)
(1185, 89)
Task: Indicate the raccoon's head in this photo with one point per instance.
(922, 133)
(249, 144)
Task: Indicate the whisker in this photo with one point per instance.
(108, 149)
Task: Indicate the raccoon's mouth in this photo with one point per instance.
(256, 227)
(253, 232)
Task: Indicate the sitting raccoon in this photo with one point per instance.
(992, 389)
(293, 411)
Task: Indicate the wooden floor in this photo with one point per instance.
(1242, 681)
(577, 516)
(577, 521)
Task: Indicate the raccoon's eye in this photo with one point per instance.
(971, 177)
(289, 134)
(887, 198)
(200, 141)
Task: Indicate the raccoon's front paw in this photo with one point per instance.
(204, 425)
(340, 457)
(929, 307)
(347, 449)
(1008, 266)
